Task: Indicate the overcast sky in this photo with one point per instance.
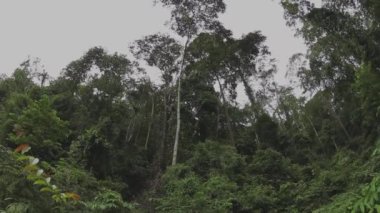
(59, 32)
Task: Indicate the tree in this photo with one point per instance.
(38, 125)
(226, 62)
(342, 38)
(188, 18)
(163, 52)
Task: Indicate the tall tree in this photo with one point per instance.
(188, 19)
(343, 38)
(226, 62)
(163, 52)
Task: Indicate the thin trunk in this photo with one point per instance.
(217, 122)
(257, 141)
(341, 125)
(315, 130)
(138, 133)
(150, 124)
(130, 129)
(197, 122)
(165, 129)
(195, 129)
(250, 94)
(248, 89)
(158, 164)
(176, 141)
(226, 112)
(335, 145)
(251, 97)
(337, 118)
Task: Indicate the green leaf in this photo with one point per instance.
(30, 167)
(377, 207)
(40, 182)
(22, 158)
(362, 208)
(46, 189)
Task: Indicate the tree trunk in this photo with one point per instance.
(314, 129)
(337, 118)
(176, 141)
(150, 124)
(248, 89)
(158, 164)
(165, 129)
(229, 126)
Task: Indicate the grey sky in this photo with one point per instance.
(61, 31)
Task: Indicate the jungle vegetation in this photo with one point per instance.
(102, 137)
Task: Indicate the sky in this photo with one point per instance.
(59, 32)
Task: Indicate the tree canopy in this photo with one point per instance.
(102, 137)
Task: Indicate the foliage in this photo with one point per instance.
(39, 126)
(108, 201)
(103, 135)
(191, 193)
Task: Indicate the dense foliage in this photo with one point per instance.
(102, 137)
